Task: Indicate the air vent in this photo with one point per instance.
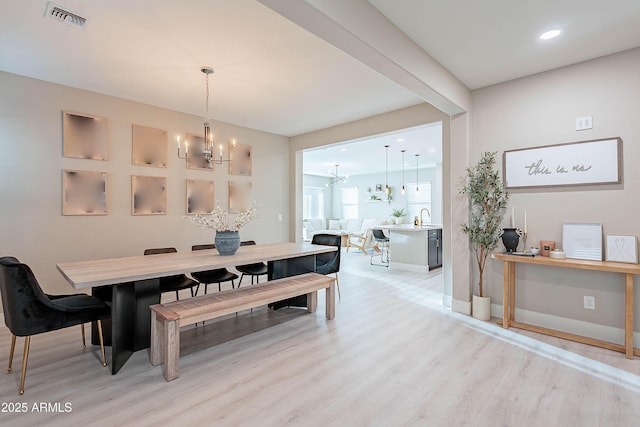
(62, 15)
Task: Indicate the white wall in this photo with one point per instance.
(382, 210)
(541, 110)
(320, 182)
(32, 227)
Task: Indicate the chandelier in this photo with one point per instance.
(336, 178)
(209, 144)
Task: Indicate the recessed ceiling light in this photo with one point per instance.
(431, 150)
(550, 34)
(344, 149)
(400, 140)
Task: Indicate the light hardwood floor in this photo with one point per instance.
(393, 356)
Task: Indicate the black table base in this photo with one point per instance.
(131, 329)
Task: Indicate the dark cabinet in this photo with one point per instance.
(435, 248)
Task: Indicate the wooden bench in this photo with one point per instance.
(166, 319)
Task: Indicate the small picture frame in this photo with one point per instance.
(622, 249)
(582, 240)
(378, 187)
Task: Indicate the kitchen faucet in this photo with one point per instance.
(421, 211)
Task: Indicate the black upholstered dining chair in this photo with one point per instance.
(174, 283)
(382, 243)
(29, 311)
(328, 263)
(254, 270)
(218, 275)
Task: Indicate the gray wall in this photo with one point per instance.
(541, 110)
(32, 227)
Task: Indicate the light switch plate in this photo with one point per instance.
(584, 123)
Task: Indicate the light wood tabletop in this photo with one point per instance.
(87, 274)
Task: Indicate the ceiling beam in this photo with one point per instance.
(361, 31)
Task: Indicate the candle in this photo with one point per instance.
(233, 142)
(178, 141)
(220, 150)
(513, 217)
(525, 222)
(186, 147)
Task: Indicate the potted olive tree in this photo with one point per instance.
(487, 202)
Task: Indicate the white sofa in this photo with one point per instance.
(329, 226)
(358, 229)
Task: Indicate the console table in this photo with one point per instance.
(509, 297)
(131, 284)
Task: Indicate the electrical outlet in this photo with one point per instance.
(589, 302)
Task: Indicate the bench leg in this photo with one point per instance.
(312, 302)
(157, 332)
(171, 350)
(331, 300)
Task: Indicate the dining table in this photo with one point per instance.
(131, 284)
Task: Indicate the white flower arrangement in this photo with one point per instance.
(220, 220)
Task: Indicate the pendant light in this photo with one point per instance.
(403, 170)
(386, 172)
(417, 188)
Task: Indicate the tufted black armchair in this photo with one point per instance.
(29, 311)
(330, 262)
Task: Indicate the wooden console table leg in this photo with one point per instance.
(628, 316)
(505, 296)
(512, 291)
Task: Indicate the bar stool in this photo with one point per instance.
(381, 242)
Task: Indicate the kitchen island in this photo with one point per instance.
(414, 248)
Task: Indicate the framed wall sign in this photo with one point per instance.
(582, 240)
(576, 163)
(622, 249)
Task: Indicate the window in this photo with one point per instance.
(349, 198)
(313, 202)
(418, 199)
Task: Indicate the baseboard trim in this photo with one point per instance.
(463, 307)
(408, 267)
(572, 326)
(446, 300)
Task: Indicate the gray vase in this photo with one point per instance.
(227, 242)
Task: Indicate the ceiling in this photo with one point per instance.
(272, 74)
(368, 155)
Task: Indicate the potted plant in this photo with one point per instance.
(398, 214)
(487, 202)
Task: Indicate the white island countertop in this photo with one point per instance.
(409, 227)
